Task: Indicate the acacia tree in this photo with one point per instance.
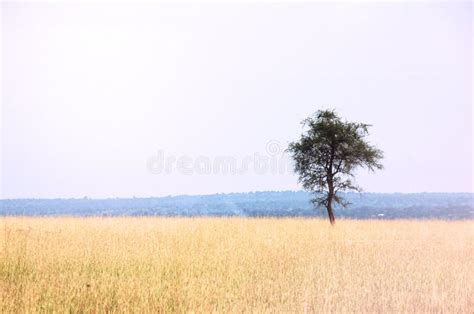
(327, 155)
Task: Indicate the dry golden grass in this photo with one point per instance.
(235, 265)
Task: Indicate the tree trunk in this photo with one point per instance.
(332, 219)
(330, 178)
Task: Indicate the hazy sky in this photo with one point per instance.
(97, 100)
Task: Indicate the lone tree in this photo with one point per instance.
(327, 155)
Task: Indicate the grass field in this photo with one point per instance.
(235, 264)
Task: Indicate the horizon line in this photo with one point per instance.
(85, 197)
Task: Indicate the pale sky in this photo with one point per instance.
(95, 98)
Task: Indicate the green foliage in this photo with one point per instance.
(329, 152)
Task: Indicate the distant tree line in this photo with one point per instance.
(278, 204)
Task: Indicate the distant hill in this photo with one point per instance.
(277, 204)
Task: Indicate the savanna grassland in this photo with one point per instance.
(234, 265)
